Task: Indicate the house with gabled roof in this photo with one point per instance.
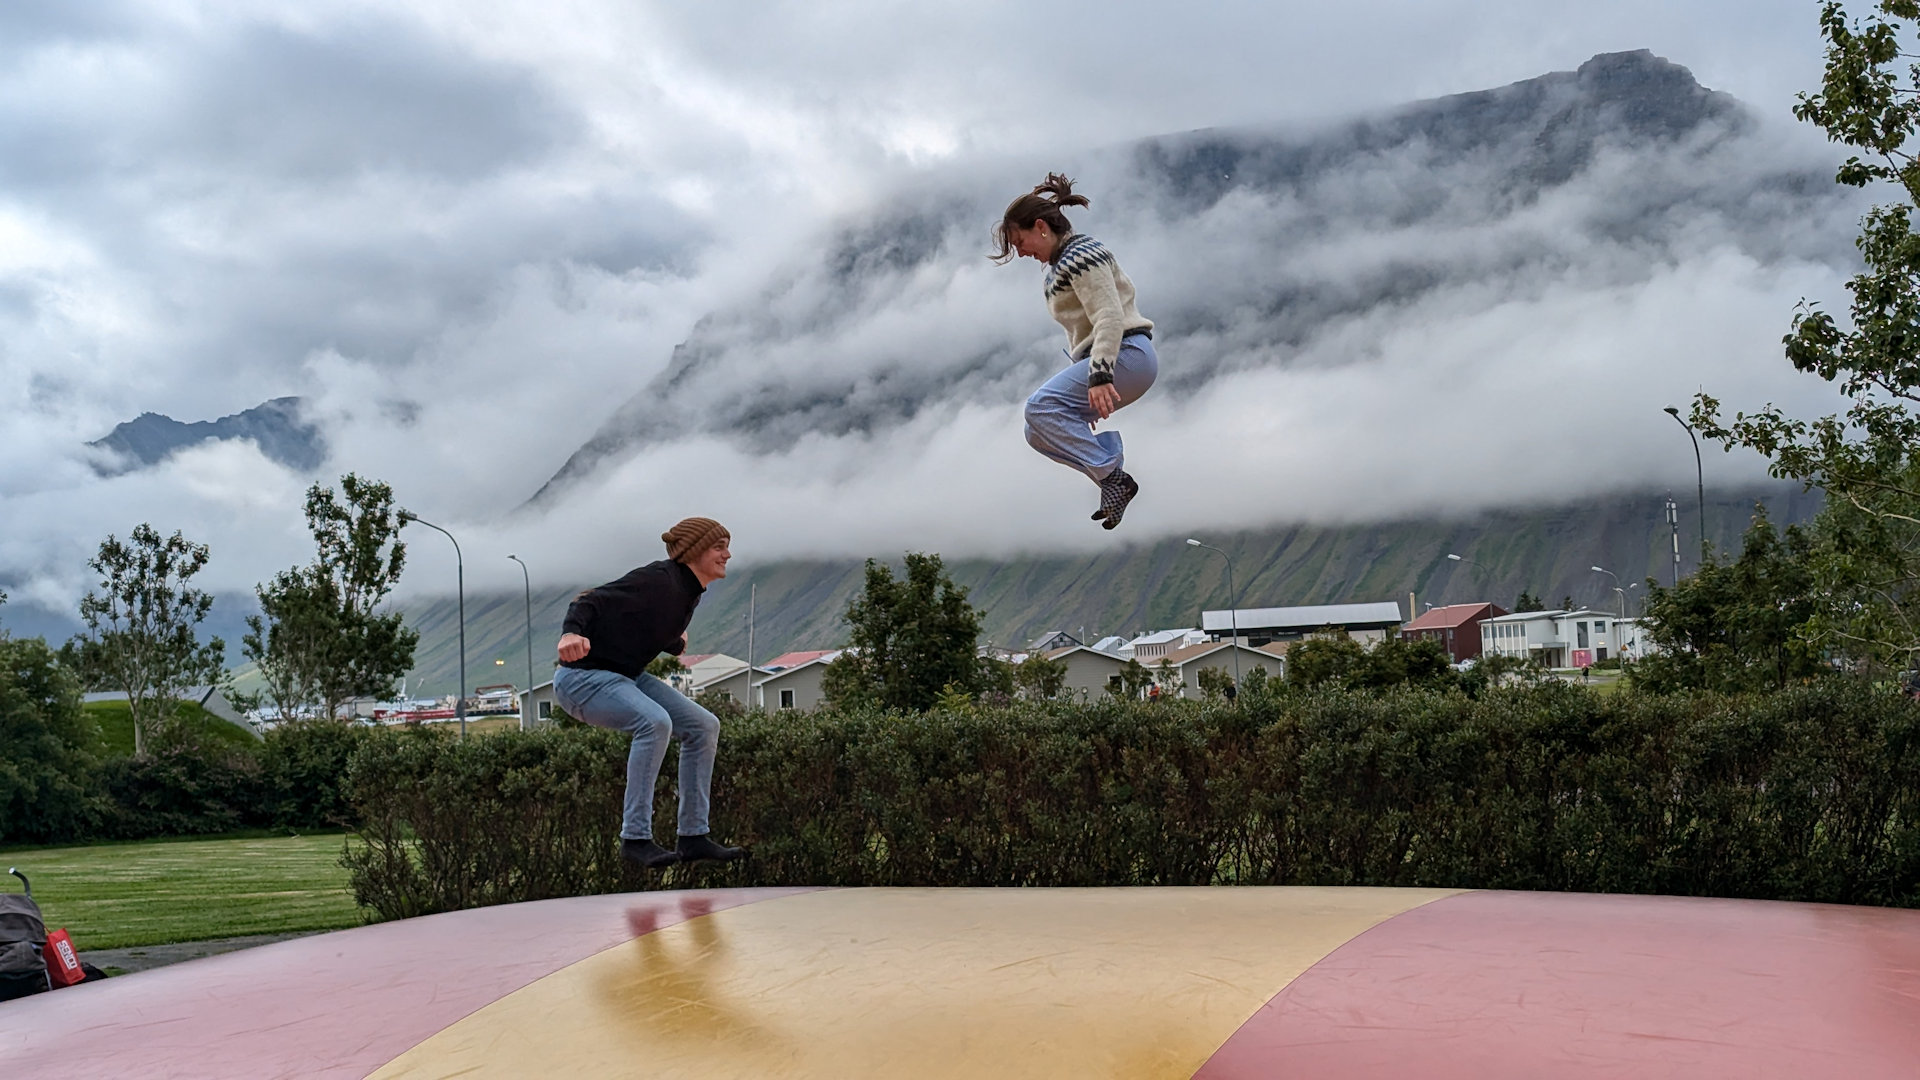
(1455, 627)
(1185, 664)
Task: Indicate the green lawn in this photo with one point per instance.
(154, 892)
(116, 727)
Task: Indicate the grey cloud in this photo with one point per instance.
(1249, 245)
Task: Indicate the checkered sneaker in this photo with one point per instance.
(1116, 491)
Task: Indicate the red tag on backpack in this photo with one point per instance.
(63, 964)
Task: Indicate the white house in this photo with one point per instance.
(703, 669)
(1557, 639)
(1149, 648)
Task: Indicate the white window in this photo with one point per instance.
(545, 710)
(786, 699)
(1599, 626)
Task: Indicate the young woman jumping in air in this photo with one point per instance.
(1110, 354)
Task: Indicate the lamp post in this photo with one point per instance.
(460, 567)
(526, 581)
(1699, 477)
(1233, 609)
(1616, 588)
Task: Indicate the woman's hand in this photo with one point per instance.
(1103, 399)
(573, 647)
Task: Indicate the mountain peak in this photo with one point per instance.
(275, 426)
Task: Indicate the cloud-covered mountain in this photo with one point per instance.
(276, 427)
(1255, 250)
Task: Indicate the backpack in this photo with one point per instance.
(23, 942)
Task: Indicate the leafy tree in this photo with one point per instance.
(1866, 554)
(664, 665)
(1214, 682)
(1529, 602)
(321, 639)
(1736, 626)
(46, 746)
(141, 622)
(1134, 678)
(1328, 656)
(912, 639)
(1039, 678)
(1393, 661)
(80, 655)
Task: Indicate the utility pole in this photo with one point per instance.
(1673, 523)
(526, 581)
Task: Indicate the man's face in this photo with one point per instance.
(711, 564)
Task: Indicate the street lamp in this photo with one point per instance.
(460, 699)
(1699, 477)
(1233, 609)
(1616, 588)
(526, 581)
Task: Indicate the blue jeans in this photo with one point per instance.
(1060, 422)
(650, 711)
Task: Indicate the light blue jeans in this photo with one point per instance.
(1060, 422)
(650, 711)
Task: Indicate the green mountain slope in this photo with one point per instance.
(1148, 586)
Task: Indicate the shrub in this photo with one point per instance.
(183, 787)
(1803, 795)
(303, 767)
(464, 823)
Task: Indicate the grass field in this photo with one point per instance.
(116, 727)
(154, 892)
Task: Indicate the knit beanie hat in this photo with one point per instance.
(692, 536)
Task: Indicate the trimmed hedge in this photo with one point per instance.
(1807, 794)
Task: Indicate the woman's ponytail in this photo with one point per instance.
(1043, 204)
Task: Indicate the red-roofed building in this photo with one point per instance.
(1456, 627)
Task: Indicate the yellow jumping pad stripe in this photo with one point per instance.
(920, 983)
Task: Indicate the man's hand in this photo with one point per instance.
(1104, 400)
(573, 647)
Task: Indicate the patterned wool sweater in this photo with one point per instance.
(1092, 297)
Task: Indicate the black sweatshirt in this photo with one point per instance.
(630, 621)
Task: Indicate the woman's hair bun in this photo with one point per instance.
(1061, 189)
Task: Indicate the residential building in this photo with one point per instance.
(795, 659)
(536, 706)
(1365, 622)
(1051, 640)
(736, 685)
(1091, 674)
(1456, 627)
(1150, 647)
(1112, 644)
(797, 687)
(1187, 663)
(703, 668)
(1557, 639)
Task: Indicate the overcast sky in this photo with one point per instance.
(467, 230)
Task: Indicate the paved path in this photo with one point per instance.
(144, 957)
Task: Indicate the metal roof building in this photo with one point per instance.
(1288, 623)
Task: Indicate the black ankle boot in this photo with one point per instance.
(702, 849)
(647, 853)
